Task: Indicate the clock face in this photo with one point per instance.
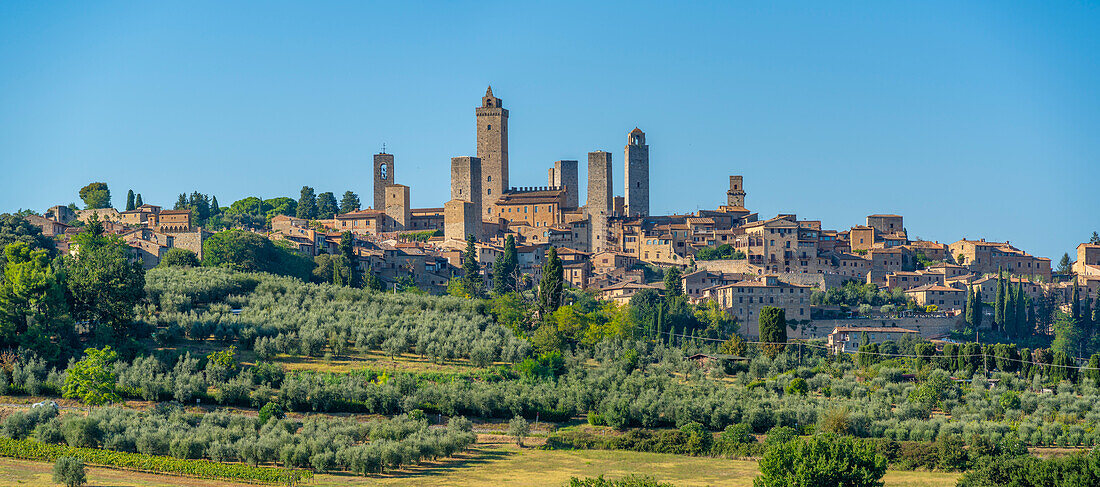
(383, 171)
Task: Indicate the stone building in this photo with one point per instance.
(383, 176)
(360, 222)
(885, 224)
(984, 257)
(600, 198)
(538, 207)
(398, 213)
(636, 173)
(492, 149)
(745, 299)
(461, 219)
(466, 184)
(943, 297)
(564, 175)
(735, 197)
(174, 221)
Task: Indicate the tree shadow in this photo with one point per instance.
(445, 466)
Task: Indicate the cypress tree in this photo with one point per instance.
(471, 270)
(181, 203)
(307, 204)
(1096, 309)
(552, 284)
(1008, 326)
(214, 208)
(499, 275)
(137, 201)
(999, 303)
(968, 310)
(511, 263)
(1021, 311)
(130, 200)
(1075, 304)
(979, 309)
(1025, 362)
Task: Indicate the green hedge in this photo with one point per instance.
(33, 450)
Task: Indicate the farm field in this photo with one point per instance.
(491, 465)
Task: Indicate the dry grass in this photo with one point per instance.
(495, 464)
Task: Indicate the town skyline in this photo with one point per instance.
(961, 136)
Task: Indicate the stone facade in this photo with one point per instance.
(172, 221)
(492, 148)
(564, 175)
(383, 176)
(398, 213)
(461, 219)
(735, 197)
(466, 183)
(600, 198)
(885, 224)
(745, 299)
(636, 173)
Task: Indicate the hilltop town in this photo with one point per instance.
(613, 247)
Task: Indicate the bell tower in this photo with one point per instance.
(637, 174)
(383, 177)
(492, 149)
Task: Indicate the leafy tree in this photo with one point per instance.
(349, 260)
(177, 257)
(200, 208)
(14, 228)
(104, 284)
(307, 204)
(673, 285)
(92, 379)
(181, 202)
(518, 429)
(552, 284)
(646, 307)
(69, 471)
(821, 461)
(326, 205)
(130, 200)
(33, 313)
(349, 203)
(1063, 367)
(773, 330)
(724, 251)
(250, 252)
(96, 196)
(1064, 265)
(137, 201)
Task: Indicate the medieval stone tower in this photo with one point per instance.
(637, 174)
(492, 148)
(463, 214)
(564, 175)
(736, 195)
(383, 176)
(398, 213)
(600, 198)
(466, 177)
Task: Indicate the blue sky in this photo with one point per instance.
(970, 119)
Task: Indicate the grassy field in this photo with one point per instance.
(492, 465)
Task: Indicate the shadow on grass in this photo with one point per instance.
(472, 458)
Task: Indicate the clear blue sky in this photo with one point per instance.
(970, 119)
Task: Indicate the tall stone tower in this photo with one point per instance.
(466, 182)
(564, 175)
(736, 195)
(492, 148)
(383, 176)
(637, 174)
(398, 214)
(600, 198)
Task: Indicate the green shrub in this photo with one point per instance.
(824, 460)
(69, 471)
